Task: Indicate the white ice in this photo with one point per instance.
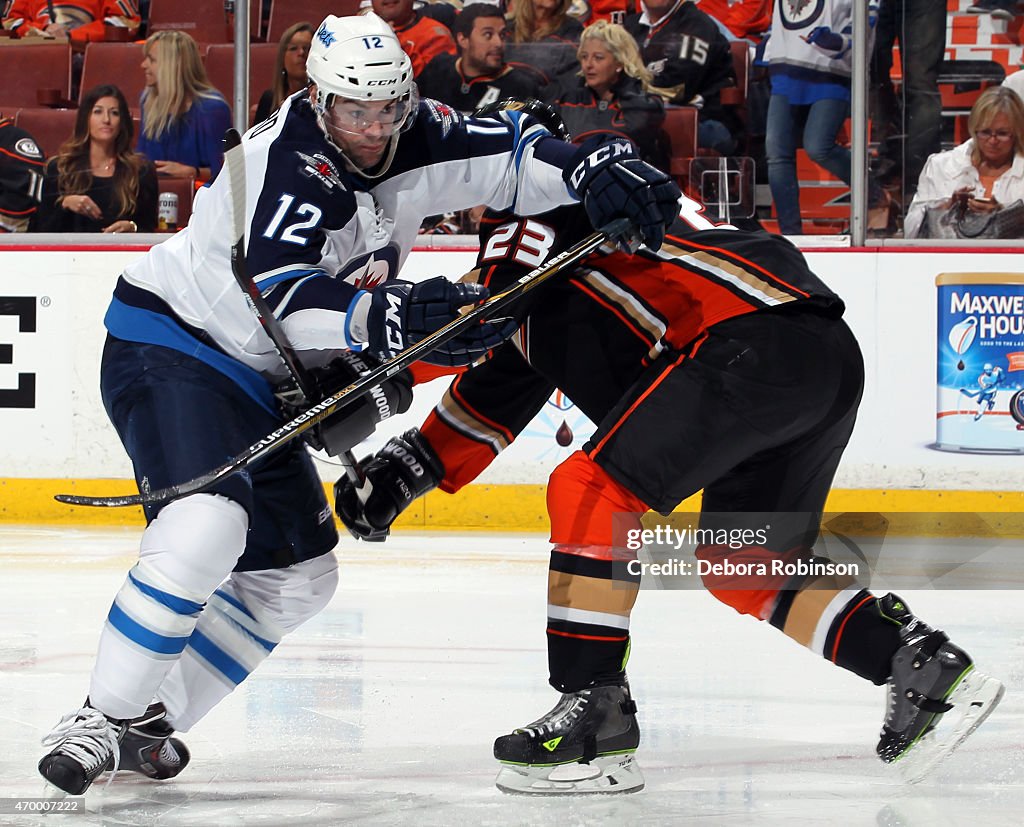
(383, 709)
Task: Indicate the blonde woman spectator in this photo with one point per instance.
(985, 172)
(613, 93)
(96, 183)
(183, 117)
(289, 69)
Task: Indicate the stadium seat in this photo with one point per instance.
(205, 20)
(26, 69)
(681, 127)
(737, 95)
(283, 13)
(220, 67)
(49, 127)
(116, 63)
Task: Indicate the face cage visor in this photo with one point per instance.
(354, 118)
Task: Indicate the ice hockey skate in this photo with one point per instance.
(85, 743)
(584, 745)
(932, 681)
(149, 749)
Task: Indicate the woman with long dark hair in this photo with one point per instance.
(96, 182)
(289, 69)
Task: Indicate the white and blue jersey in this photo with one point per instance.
(318, 236)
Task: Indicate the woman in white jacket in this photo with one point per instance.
(986, 171)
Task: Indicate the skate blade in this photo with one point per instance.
(608, 775)
(975, 698)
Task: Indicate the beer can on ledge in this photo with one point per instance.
(167, 212)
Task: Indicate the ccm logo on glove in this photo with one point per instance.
(600, 156)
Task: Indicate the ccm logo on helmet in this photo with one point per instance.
(386, 82)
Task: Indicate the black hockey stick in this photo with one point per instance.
(317, 413)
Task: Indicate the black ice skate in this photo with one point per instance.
(584, 745)
(149, 749)
(930, 678)
(85, 744)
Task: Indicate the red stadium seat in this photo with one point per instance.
(220, 67)
(681, 127)
(737, 95)
(26, 69)
(116, 63)
(283, 13)
(205, 20)
(50, 127)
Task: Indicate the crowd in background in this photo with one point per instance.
(607, 66)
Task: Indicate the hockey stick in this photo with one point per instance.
(234, 160)
(323, 409)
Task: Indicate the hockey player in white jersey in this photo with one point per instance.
(336, 184)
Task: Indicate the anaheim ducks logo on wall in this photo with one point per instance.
(796, 14)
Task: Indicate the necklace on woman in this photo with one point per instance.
(106, 166)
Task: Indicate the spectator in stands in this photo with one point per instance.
(614, 93)
(999, 9)
(985, 172)
(746, 20)
(80, 21)
(544, 40)
(183, 117)
(289, 69)
(96, 182)
(421, 34)
(809, 63)
(691, 62)
(21, 175)
(479, 75)
(907, 128)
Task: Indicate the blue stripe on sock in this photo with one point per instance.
(147, 638)
(217, 658)
(227, 598)
(178, 605)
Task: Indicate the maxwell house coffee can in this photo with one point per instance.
(167, 211)
(980, 363)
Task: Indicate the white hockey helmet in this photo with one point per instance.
(360, 59)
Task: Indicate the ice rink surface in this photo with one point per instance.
(382, 710)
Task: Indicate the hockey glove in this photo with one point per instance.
(402, 313)
(826, 39)
(404, 469)
(356, 421)
(612, 182)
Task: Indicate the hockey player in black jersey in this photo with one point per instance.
(21, 177)
(719, 363)
(478, 75)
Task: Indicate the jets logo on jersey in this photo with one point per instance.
(443, 114)
(321, 167)
(366, 272)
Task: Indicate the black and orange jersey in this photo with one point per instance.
(443, 80)
(21, 177)
(592, 332)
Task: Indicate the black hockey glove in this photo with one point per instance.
(404, 469)
(402, 313)
(612, 182)
(356, 421)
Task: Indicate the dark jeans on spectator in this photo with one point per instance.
(821, 122)
(908, 130)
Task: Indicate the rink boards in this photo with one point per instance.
(57, 438)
